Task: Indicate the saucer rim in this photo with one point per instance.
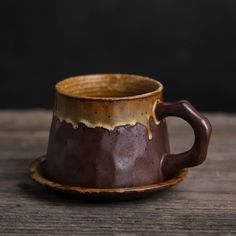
(36, 174)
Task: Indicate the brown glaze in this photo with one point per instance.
(109, 131)
(36, 172)
(171, 163)
(107, 101)
(96, 157)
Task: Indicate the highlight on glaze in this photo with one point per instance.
(108, 101)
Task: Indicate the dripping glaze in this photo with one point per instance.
(107, 115)
(108, 101)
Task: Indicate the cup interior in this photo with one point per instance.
(108, 86)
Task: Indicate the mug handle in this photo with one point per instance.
(171, 163)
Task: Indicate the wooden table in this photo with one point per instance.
(205, 203)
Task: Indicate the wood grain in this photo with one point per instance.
(203, 204)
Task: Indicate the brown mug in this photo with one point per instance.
(109, 131)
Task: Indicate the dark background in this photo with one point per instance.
(191, 45)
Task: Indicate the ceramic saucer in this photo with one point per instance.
(103, 194)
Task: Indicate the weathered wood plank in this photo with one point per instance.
(203, 204)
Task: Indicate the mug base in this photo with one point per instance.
(102, 194)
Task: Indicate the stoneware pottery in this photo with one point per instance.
(109, 139)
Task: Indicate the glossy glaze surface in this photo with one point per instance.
(109, 131)
(107, 101)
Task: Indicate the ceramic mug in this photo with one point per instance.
(109, 131)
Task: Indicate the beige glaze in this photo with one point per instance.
(107, 101)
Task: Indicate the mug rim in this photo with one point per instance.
(156, 91)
